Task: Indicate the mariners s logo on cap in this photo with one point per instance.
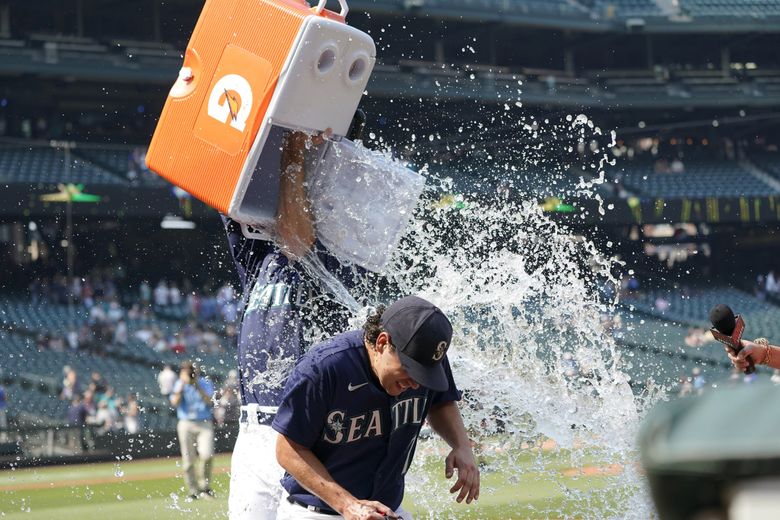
(441, 349)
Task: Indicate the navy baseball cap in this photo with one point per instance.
(421, 334)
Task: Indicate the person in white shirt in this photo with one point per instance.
(772, 285)
(174, 295)
(166, 379)
(161, 294)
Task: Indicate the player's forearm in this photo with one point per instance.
(445, 420)
(294, 217)
(310, 473)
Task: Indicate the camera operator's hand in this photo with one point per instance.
(754, 351)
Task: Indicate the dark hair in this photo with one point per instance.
(373, 327)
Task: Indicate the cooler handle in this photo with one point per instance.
(321, 7)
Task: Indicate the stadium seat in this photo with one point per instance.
(700, 179)
(44, 165)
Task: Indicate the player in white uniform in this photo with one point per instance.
(282, 302)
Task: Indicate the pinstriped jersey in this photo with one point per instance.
(284, 310)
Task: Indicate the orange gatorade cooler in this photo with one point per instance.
(254, 70)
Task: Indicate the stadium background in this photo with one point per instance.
(691, 88)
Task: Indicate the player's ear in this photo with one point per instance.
(382, 342)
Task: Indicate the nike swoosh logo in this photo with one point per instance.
(352, 387)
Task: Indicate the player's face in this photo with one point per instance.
(391, 374)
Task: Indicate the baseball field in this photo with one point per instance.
(540, 487)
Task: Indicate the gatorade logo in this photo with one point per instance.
(233, 101)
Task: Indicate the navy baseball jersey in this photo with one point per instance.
(365, 438)
(284, 310)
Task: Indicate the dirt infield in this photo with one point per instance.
(589, 471)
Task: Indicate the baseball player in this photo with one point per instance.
(282, 305)
(351, 412)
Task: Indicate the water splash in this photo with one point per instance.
(546, 400)
(543, 381)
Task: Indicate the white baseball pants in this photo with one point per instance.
(255, 488)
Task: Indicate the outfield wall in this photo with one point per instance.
(44, 446)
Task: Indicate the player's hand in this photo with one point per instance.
(298, 142)
(320, 138)
(467, 484)
(367, 510)
(750, 350)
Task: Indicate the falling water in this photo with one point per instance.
(543, 387)
(521, 292)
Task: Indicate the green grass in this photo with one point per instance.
(149, 489)
(156, 494)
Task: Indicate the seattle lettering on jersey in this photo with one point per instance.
(270, 296)
(341, 430)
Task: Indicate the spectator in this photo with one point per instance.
(230, 312)
(115, 312)
(110, 398)
(698, 381)
(159, 343)
(132, 415)
(134, 313)
(686, 387)
(105, 418)
(77, 417)
(232, 380)
(661, 304)
(87, 339)
(772, 286)
(70, 384)
(161, 294)
(228, 410)
(77, 412)
(90, 406)
(97, 315)
(73, 339)
(677, 166)
(166, 379)
(99, 384)
(177, 344)
(174, 295)
(192, 399)
(120, 333)
(760, 289)
(145, 292)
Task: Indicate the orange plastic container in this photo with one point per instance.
(252, 69)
